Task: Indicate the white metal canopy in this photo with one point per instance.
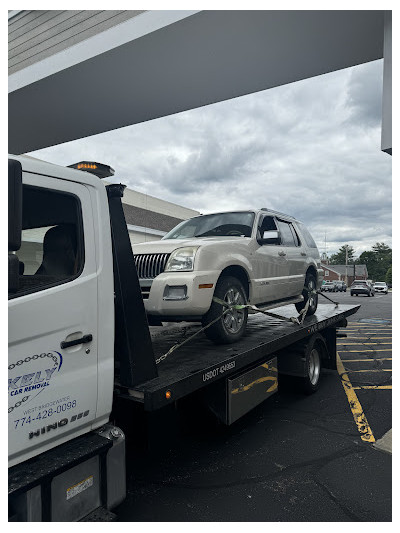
(164, 62)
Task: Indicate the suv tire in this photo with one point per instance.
(309, 285)
(230, 327)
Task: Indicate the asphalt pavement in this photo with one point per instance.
(294, 458)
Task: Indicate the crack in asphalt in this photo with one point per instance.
(336, 501)
(327, 430)
(318, 462)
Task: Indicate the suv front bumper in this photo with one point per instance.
(180, 294)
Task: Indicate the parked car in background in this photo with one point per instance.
(329, 286)
(340, 286)
(361, 286)
(380, 286)
(260, 257)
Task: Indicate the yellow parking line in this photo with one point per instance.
(369, 359)
(358, 351)
(373, 370)
(357, 343)
(370, 337)
(349, 328)
(372, 326)
(381, 387)
(358, 414)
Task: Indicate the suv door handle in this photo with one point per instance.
(82, 340)
(281, 253)
(303, 254)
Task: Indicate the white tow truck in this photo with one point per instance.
(82, 360)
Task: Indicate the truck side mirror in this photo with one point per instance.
(270, 237)
(13, 273)
(14, 205)
(14, 222)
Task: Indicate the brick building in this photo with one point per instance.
(338, 272)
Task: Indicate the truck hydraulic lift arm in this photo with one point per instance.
(133, 346)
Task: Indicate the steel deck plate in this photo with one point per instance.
(200, 362)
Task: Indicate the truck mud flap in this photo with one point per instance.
(235, 396)
(69, 482)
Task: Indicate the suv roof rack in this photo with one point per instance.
(277, 212)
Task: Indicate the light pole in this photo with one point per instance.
(347, 260)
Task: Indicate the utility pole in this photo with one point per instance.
(347, 260)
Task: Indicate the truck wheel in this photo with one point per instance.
(309, 286)
(310, 382)
(230, 327)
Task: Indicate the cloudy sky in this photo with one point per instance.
(310, 149)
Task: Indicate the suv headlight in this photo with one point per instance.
(181, 260)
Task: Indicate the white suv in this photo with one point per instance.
(380, 286)
(260, 257)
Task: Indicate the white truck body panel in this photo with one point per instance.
(57, 394)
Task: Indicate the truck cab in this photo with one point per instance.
(61, 317)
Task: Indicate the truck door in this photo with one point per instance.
(53, 330)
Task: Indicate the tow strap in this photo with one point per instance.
(253, 310)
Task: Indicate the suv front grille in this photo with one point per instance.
(149, 266)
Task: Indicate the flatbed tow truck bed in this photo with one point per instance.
(199, 362)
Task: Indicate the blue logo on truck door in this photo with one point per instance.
(39, 370)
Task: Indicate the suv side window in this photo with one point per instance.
(52, 249)
(307, 236)
(295, 235)
(286, 233)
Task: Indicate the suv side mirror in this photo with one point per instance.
(270, 237)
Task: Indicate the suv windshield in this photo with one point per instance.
(238, 224)
(361, 282)
(380, 284)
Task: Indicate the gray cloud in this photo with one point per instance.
(310, 149)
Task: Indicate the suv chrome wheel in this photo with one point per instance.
(226, 325)
(312, 293)
(309, 294)
(233, 319)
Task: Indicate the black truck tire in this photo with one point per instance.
(313, 357)
(230, 327)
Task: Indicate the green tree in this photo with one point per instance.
(378, 261)
(388, 277)
(381, 248)
(340, 257)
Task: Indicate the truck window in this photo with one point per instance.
(52, 250)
